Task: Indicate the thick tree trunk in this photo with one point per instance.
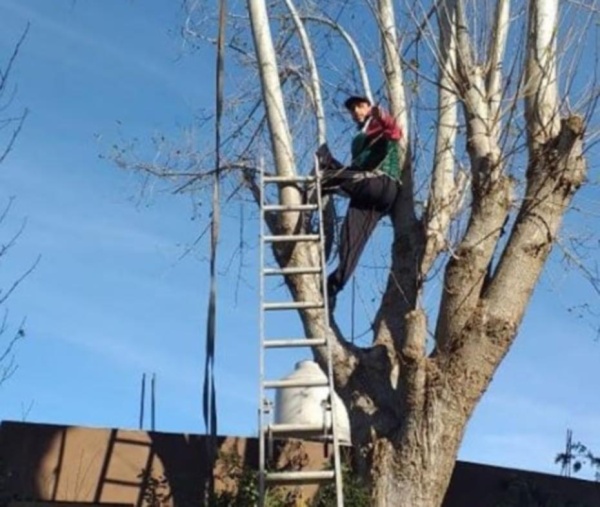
(414, 468)
(415, 471)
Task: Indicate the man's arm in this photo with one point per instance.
(383, 124)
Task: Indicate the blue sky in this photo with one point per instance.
(114, 295)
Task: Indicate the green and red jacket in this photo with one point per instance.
(376, 146)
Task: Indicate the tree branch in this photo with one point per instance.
(552, 179)
(362, 69)
(402, 288)
(281, 140)
(444, 196)
(491, 189)
(392, 66)
(541, 88)
(494, 64)
(315, 84)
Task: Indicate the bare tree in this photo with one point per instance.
(482, 202)
(10, 124)
(8, 364)
(10, 127)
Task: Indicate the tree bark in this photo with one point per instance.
(416, 472)
(413, 463)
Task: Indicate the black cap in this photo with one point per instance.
(355, 100)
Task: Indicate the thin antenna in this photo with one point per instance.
(568, 456)
(153, 402)
(142, 401)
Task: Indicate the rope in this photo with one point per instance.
(353, 310)
(209, 401)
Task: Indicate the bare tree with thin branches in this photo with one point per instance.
(10, 127)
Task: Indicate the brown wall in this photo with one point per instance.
(41, 462)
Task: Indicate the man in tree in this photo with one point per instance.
(371, 182)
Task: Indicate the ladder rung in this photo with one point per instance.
(288, 179)
(299, 430)
(299, 477)
(291, 238)
(293, 305)
(295, 342)
(291, 207)
(292, 271)
(285, 383)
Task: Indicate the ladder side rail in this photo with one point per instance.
(261, 401)
(265, 428)
(334, 427)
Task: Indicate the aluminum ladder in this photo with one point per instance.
(267, 430)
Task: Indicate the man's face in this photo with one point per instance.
(360, 111)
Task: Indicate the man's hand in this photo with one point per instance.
(386, 125)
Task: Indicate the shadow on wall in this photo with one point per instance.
(57, 463)
(40, 462)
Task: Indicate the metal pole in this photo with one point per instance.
(153, 403)
(142, 401)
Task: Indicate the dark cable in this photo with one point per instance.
(209, 400)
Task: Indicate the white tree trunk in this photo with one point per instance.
(496, 55)
(392, 67)
(444, 196)
(541, 86)
(281, 139)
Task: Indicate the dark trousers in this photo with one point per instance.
(371, 198)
